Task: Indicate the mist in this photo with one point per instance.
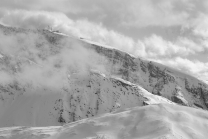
(31, 60)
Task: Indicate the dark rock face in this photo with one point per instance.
(198, 106)
(204, 94)
(179, 100)
(178, 97)
(199, 91)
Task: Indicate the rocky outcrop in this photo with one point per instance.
(178, 97)
(205, 96)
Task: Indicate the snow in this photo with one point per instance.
(159, 121)
(27, 132)
(30, 109)
(114, 107)
(104, 45)
(91, 95)
(96, 43)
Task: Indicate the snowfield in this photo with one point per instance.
(159, 121)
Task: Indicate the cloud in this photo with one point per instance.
(174, 54)
(153, 46)
(33, 19)
(204, 43)
(198, 31)
(190, 45)
(200, 25)
(135, 13)
(49, 5)
(29, 59)
(59, 21)
(192, 67)
(149, 13)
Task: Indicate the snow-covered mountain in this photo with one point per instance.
(154, 77)
(85, 95)
(89, 96)
(157, 79)
(51, 79)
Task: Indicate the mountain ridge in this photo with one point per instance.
(68, 104)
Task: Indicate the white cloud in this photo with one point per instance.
(192, 67)
(204, 43)
(174, 54)
(45, 65)
(144, 13)
(200, 25)
(151, 47)
(50, 5)
(189, 44)
(156, 46)
(59, 21)
(138, 13)
(33, 19)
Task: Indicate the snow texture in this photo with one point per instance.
(160, 121)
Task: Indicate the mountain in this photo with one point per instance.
(51, 79)
(154, 77)
(89, 96)
(85, 94)
(157, 79)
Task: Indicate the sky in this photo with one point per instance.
(171, 32)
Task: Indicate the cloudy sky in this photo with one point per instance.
(172, 32)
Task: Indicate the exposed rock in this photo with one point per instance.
(178, 97)
(179, 100)
(197, 105)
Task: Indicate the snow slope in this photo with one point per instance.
(88, 96)
(160, 121)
